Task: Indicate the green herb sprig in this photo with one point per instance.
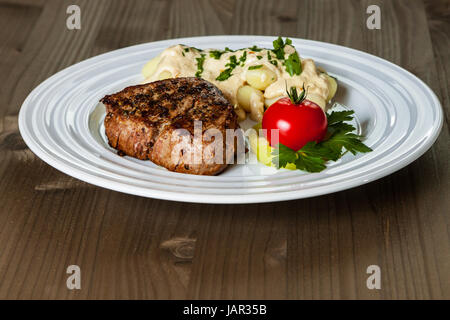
(255, 48)
(233, 63)
(259, 66)
(292, 63)
(216, 54)
(200, 62)
(243, 58)
(278, 47)
(313, 156)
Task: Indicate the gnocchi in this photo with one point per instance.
(240, 113)
(252, 101)
(332, 87)
(269, 102)
(150, 67)
(165, 75)
(260, 78)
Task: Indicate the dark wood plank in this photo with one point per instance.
(438, 14)
(29, 211)
(127, 24)
(421, 211)
(132, 247)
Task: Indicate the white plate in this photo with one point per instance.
(62, 124)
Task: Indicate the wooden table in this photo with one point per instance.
(132, 247)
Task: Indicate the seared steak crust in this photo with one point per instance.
(142, 121)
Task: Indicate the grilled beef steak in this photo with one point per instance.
(155, 121)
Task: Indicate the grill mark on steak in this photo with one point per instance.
(141, 119)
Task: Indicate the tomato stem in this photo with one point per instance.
(294, 96)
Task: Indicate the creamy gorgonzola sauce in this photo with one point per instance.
(228, 69)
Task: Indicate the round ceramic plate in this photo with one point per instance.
(397, 113)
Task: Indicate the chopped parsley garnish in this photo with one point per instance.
(293, 64)
(312, 157)
(278, 47)
(225, 74)
(200, 62)
(255, 48)
(269, 57)
(255, 67)
(233, 63)
(243, 58)
(216, 54)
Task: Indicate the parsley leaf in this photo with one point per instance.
(233, 63)
(293, 64)
(216, 54)
(255, 67)
(278, 48)
(342, 136)
(278, 43)
(310, 164)
(243, 58)
(312, 157)
(338, 116)
(340, 127)
(269, 57)
(224, 75)
(314, 149)
(255, 48)
(283, 155)
(336, 122)
(350, 141)
(200, 62)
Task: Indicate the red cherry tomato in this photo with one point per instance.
(298, 124)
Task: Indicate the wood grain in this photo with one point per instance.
(132, 248)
